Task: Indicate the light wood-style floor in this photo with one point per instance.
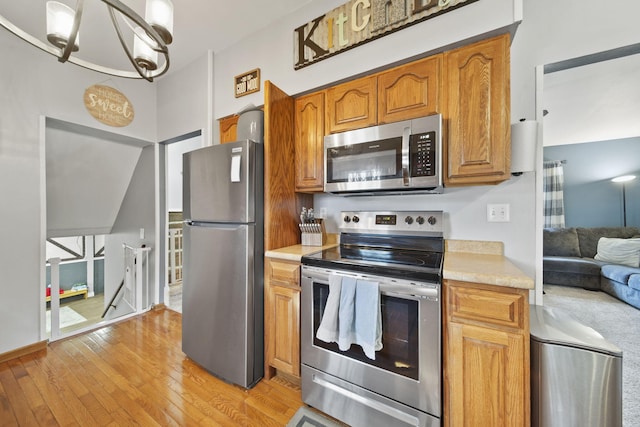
(133, 373)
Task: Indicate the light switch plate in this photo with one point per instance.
(498, 212)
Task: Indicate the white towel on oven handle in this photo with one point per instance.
(368, 317)
(346, 314)
(328, 329)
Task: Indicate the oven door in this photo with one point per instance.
(408, 367)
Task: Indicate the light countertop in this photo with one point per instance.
(482, 262)
(296, 252)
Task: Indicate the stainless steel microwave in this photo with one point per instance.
(392, 158)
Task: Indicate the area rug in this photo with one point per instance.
(618, 323)
(307, 417)
(68, 317)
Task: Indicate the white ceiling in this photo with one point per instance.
(594, 102)
(199, 25)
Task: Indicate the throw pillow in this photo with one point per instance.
(619, 251)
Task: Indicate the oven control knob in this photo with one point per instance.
(408, 220)
(355, 219)
(347, 219)
(432, 220)
(420, 220)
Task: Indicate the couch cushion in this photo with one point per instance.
(619, 273)
(619, 251)
(634, 281)
(561, 242)
(571, 265)
(588, 237)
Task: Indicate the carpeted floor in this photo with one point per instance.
(68, 317)
(618, 323)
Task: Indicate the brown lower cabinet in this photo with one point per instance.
(282, 317)
(486, 355)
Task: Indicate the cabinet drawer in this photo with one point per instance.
(284, 272)
(503, 307)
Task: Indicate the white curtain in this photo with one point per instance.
(553, 194)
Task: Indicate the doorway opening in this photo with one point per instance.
(174, 149)
(100, 206)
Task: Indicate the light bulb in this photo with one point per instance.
(159, 14)
(143, 53)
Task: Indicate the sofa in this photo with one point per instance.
(599, 258)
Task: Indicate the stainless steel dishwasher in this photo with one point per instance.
(576, 375)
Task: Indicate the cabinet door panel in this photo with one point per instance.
(228, 129)
(352, 105)
(477, 112)
(309, 140)
(409, 91)
(486, 377)
(285, 327)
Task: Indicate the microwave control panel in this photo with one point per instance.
(422, 148)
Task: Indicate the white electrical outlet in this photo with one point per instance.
(323, 213)
(498, 213)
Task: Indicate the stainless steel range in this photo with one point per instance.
(375, 363)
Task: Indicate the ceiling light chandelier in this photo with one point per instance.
(151, 36)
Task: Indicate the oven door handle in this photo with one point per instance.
(410, 290)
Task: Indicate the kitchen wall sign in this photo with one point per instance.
(247, 83)
(108, 105)
(360, 21)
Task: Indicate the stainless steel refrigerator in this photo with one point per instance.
(222, 294)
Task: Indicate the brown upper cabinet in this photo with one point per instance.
(477, 113)
(469, 86)
(409, 91)
(352, 105)
(229, 129)
(309, 139)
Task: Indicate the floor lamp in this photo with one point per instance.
(624, 179)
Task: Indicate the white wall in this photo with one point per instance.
(554, 31)
(185, 101)
(271, 49)
(34, 84)
(174, 170)
(595, 102)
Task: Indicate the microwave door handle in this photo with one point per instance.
(406, 135)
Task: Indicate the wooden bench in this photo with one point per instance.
(69, 294)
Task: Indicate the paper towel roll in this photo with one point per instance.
(524, 138)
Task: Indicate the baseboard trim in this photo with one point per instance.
(23, 351)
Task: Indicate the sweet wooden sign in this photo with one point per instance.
(247, 83)
(361, 21)
(108, 105)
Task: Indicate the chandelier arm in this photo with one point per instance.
(116, 26)
(66, 52)
(18, 32)
(131, 14)
(28, 37)
(160, 45)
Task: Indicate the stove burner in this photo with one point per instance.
(402, 257)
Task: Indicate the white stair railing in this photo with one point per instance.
(136, 278)
(175, 255)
